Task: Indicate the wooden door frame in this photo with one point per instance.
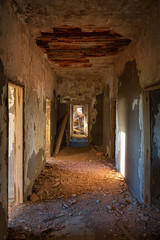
(146, 146)
(147, 150)
(18, 142)
(49, 101)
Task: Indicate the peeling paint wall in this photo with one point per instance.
(4, 153)
(155, 121)
(145, 53)
(129, 147)
(24, 64)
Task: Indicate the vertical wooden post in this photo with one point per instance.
(18, 144)
(61, 134)
(48, 127)
(146, 146)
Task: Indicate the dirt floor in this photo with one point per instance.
(80, 196)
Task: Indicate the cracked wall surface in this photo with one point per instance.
(24, 64)
(145, 54)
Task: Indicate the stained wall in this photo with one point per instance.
(136, 69)
(25, 65)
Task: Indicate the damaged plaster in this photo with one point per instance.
(35, 164)
(129, 111)
(79, 87)
(31, 70)
(135, 102)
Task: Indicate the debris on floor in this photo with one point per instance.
(79, 196)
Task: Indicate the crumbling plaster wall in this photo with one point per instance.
(25, 64)
(145, 54)
(81, 86)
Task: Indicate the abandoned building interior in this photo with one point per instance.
(79, 74)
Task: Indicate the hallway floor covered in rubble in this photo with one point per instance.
(79, 195)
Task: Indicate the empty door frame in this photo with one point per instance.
(147, 141)
(146, 146)
(18, 142)
(48, 127)
(70, 122)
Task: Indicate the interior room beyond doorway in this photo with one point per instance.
(78, 125)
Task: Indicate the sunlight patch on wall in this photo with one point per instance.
(122, 152)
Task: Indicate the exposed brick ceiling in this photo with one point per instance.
(68, 46)
(78, 45)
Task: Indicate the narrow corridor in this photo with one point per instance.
(79, 196)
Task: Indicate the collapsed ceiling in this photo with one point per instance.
(70, 46)
(81, 33)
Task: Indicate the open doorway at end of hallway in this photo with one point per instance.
(79, 125)
(48, 127)
(15, 143)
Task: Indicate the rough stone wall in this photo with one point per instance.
(145, 54)
(4, 153)
(81, 87)
(26, 65)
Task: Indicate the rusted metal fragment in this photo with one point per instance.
(68, 46)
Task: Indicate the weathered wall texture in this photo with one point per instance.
(144, 54)
(26, 65)
(80, 87)
(155, 111)
(129, 126)
(4, 153)
(145, 51)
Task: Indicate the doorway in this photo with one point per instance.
(155, 142)
(151, 143)
(48, 126)
(79, 127)
(15, 143)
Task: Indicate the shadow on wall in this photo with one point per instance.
(129, 136)
(97, 128)
(155, 122)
